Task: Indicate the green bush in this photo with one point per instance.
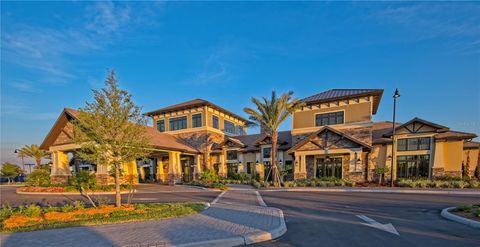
(257, 184)
(39, 177)
(83, 179)
(79, 205)
(67, 208)
(32, 211)
(5, 212)
(209, 176)
(474, 183)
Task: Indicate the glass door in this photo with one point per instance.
(329, 167)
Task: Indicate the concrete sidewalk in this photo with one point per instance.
(236, 218)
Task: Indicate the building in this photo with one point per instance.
(332, 135)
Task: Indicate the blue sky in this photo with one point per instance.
(54, 53)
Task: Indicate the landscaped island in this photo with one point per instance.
(33, 217)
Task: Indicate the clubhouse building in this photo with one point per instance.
(332, 135)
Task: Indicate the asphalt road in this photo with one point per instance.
(330, 219)
(145, 193)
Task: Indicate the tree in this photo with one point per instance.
(10, 171)
(269, 115)
(111, 130)
(34, 151)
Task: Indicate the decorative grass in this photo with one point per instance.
(34, 218)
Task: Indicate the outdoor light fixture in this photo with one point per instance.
(327, 159)
(395, 96)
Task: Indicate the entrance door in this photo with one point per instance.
(331, 167)
(232, 169)
(268, 171)
(187, 169)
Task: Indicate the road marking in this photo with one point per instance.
(260, 199)
(144, 199)
(384, 227)
(218, 197)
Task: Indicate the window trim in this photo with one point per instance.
(169, 126)
(327, 112)
(201, 120)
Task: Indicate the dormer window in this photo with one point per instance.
(330, 118)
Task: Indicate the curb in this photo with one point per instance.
(399, 191)
(446, 214)
(69, 193)
(242, 240)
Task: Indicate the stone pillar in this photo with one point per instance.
(130, 171)
(197, 167)
(102, 175)
(161, 175)
(60, 173)
(300, 167)
(174, 168)
(222, 170)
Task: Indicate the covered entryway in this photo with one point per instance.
(328, 167)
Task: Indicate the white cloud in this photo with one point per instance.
(106, 17)
(23, 86)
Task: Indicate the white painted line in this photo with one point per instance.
(384, 227)
(218, 197)
(260, 199)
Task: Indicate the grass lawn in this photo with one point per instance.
(33, 218)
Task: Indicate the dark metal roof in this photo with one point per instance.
(339, 94)
(194, 103)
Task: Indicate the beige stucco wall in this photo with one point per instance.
(359, 112)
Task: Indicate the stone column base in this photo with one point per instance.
(222, 175)
(299, 175)
(104, 179)
(59, 179)
(453, 173)
(438, 172)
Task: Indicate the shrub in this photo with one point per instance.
(459, 184)
(474, 183)
(32, 211)
(209, 176)
(67, 208)
(257, 184)
(5, 212)
(39, 177)
(83, 180)
(79, 205)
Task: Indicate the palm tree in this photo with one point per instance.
(34, 151)
(269, 115)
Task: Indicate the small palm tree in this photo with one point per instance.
(269, 115)
(34, 151)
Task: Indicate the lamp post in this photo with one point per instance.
(395, 96)
(22, 156)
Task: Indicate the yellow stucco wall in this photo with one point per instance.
(452, 155)
(360, 112)
(473, 153)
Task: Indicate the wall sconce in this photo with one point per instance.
(389, 158)
(327, 159)
(357, 160)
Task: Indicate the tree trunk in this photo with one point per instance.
(273, 159)
(38, 162)
(118, 198)
(467, 165)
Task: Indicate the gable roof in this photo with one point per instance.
(250, 144)
(191, 104)
(471, 145)
(438, 128)
(155, 138)
(339, 94)
(327, 128)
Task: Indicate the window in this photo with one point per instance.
(229, 127)
(215, 122)
(232, 155)
(178, 123)
(330, 118)
(415, 166)
(250, 167)
(412, 144)
(161, 125)
(329, 167)
(197, 120)
(241, 131)
(266, 153)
